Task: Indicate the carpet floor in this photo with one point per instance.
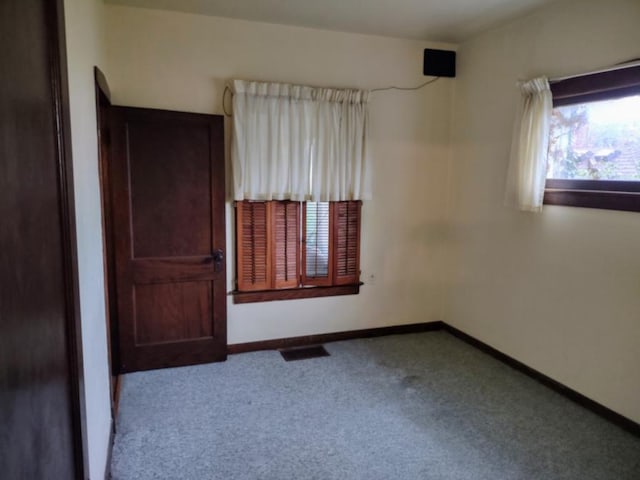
(420, 406)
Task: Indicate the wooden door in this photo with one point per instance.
(41, 420)
(167, 193)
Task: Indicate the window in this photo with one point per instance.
(594, 143)
(293, 143)
(289, 249)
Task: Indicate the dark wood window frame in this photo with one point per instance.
(259, 279)
(609, 194)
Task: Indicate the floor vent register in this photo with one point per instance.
(302, 353)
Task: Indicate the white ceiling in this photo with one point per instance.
(436, 20)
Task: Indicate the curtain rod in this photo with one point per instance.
(634, 62)
(229, 89)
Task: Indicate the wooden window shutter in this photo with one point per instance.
(286, 244)
(346, 243)
(317, 266)
(253, 229)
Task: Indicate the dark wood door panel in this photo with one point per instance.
(167, 195)
(167, 355)
(169, 178)
(40, 409)
(170, 312)
(178, 269)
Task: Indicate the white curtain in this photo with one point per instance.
(293, 142)
(528, 162)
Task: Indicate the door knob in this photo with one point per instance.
(218, 258)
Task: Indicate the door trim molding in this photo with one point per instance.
(101, 83)
(103, 100)
(60, 99)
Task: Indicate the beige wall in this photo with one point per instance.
(559, 291)
(180, 62)
(85, 48)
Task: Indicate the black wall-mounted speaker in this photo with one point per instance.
(439, 63)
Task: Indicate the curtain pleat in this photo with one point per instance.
(293, 142)
(528, 161)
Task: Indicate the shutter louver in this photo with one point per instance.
(286, 245)
(347, 242)
(254, 261)
(286, 251)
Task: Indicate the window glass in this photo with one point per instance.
(596, 141)
(317, 240)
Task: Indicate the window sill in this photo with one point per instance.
(625, 201)
(294, 293)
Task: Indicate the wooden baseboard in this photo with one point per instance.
(332, 337)
(115, 402)
(597, 408)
